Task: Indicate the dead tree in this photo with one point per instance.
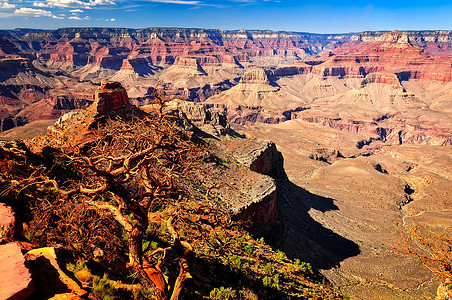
(160, 100)
(432, 250)
(132, 169)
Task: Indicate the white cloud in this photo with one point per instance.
(34, 12)
(78, 18)
(26, 11)
(6, 5)
(76, 11)
(189, 2)
(102, 2)
(112, 19)
(68, 3)
(72, 3)
(40, 4)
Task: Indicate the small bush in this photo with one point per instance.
(29, 235)
(301, 267)
(272, 282)
(236, 261)
(103, 289)
(78, 266)
(247, 294)
(281, 255)
(249, 249)
(222, 293)
(268, 269)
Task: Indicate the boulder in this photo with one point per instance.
(51, 281)
(15, 279)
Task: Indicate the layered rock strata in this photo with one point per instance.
(210, 122)
(110, 96)
(201, 63)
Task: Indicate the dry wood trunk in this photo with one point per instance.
(142, 266)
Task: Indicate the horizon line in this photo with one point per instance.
(220, 29)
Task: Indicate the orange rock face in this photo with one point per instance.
(110, 96)
(15, 278)
(91, 54)
(255, 76)
(392, 52)
(51, 281)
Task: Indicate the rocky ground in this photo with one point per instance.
(350, 205)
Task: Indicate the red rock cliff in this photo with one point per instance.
(110, 96)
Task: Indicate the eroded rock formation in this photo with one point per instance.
(74, 129)
(110, 96)
(357, 125)
(51, 281)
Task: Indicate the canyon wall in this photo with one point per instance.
(201, 63)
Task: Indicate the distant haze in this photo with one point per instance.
(326, 16)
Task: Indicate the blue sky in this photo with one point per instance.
(324, 16)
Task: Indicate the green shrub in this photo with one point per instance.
(272, 282)
(222, 293)
(301, 267)
(268, 269)
(281, 255)
(145, 245)
(154, 245)
(103, 289)
(29, 235)
(267, 281)
(239, 241)
(79, 265)
(236, 261)
(249, 249)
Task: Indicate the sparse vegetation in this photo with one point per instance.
(103, 289)
(129, 199)
(432, 249)
(222, 293)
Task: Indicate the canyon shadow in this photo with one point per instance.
(300, 236)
